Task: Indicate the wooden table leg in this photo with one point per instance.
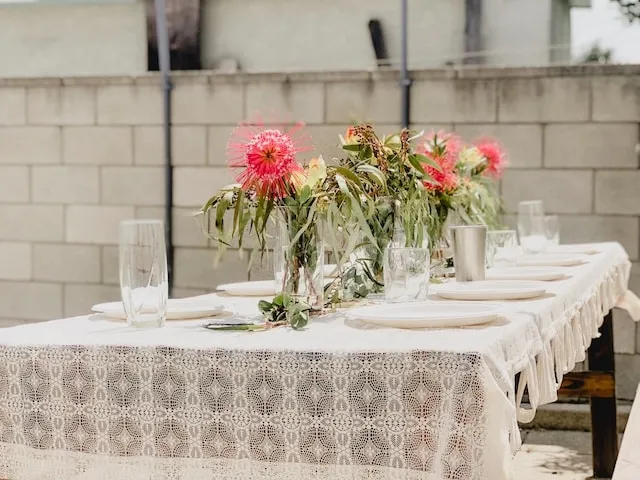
(604, 432)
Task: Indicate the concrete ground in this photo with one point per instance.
(554, 454)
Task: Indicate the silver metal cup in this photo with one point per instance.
(469, 252)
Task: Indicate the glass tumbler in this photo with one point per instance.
(502, 247)
(531, 226)
(552, 229)
(144, 284)
(406, 274)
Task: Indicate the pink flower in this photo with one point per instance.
(267, 157)
(495, 156)
(444, 149)
(446, 145)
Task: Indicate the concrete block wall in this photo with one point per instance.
(81, 154)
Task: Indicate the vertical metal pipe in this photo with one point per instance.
(165, 67)
(405, 80)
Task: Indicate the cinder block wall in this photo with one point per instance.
(78, 155)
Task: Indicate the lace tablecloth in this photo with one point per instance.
(92, 399)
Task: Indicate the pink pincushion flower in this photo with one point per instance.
(444, 149)
(267, 157)
(495, 156)
(445, 145)
(444, 180)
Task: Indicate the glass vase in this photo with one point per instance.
(299, 256)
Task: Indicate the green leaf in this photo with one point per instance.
(375, 174)
(349, 175)
(265, 306)
(424, 159)
(415, 163)
(305, 194)
(354, 147)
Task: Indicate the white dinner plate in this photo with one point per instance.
(584, 249)
(551, 260)
(426, 314)
(491, 290)
(544, 274)
(262, 288)
(177, 309)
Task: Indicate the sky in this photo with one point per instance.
(603, 22)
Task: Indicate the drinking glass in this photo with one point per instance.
(502, 247)
(144, 284)
(552, 229)
(531, 226)
(406, 274)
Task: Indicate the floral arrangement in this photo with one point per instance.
(465, 178)
(399, 188)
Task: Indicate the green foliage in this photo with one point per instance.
(630, 9)
(286, 309)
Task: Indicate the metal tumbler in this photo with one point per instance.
(469, 252)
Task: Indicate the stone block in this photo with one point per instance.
(188, 144)
(98, 145)
(627, 376)
(95, 224)
(601, 228)
(596, 145)
(566, 191)
(199, 103)
(14, 184)
(194, 268)
(616, 98)
(30, 300)
(132, 185)
(187, 228)
(543, 99)
(110, 265)
(358, 102)
(624, 332)
(129, 105)
(618, 192)
(217, 139)
(32, 223)
(12, 100)
(65, 184)
(78, 299)
(194, 186)
(523, 143)
(30, 145)
(66, 263)
(463, 100)
(286, 101)
(15, 261)
(70, 105)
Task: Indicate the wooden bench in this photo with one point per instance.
(628, 464)
(599, 384)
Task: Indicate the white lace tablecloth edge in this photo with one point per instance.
(566, 340)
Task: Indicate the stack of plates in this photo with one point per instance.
(491, 290)
(178, 309)
(552, 260)
(263, 288)
(426, 314)
(544, 274)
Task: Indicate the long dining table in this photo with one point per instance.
(90, 398)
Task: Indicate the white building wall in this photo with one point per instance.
(72, 39)
(517, 32)
(276, 35)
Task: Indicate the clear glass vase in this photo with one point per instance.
(299, 256)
